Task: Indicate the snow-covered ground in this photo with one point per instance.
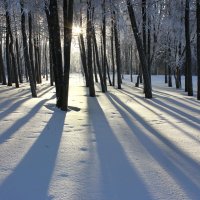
(118, 146)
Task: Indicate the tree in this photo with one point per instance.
(2, 70)
(89, 49)
(68, 21)
(117, 51)
(188, 50)
(26, 55)
(198, 46)
(55, 45)
(143, 59)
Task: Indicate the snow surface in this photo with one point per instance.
(118, 146)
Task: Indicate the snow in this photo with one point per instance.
(118, 146)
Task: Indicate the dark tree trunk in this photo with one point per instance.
(31, 46)
(177, 75)
(131, 63)
(25, 47)
(149, 43)
(108, 72)
(198, 46)
(188, 50)
(144, 23)
(117, 51)
(18, 62)
(143, 60)
(97, 60)
(11, 60)
(169, 69)
(36, 68)
(55, 45)
(84, 58)
(83, 51)
(68, 21)
(112, 52)
(2, 70)
(51, 66)
(46, 62)
(89, 50)
(8, 60)
(104, 44)
(95, 65)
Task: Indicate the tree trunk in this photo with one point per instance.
(68, 21)
(104, 43)
(18, 61)
(188, 49)
(8, 60)
(144, 23)
(117, 51)
(31, 46)
(108, 72)
(11, 60)
(84, 58)
(97, 59)
(112, 52)
(94, 63)
(169, 69)
(25, 47)
(2, 70)
(89, 50)
(198, 46)
(143, 60)
(55, 45)
(131, 63)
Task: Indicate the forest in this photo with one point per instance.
(113, 38)
(99, 99)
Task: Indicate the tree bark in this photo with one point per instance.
(2, 70)
(68, 21)
(8, 60)
(97, 59)
(198, 46)
(31, 46)
(188, 49)
(143, 59)
(55, 45)
(89, 50)
(25, 47)
(104, 43)
(117, 51)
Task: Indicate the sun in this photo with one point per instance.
(76, 30)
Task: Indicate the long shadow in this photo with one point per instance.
(176, 113)
(172, 99)
(156, 92)
(160, 108)
(192, 100)
(178, 103)
(21, 122)
(119, 179)
(19, 93)
(179, 113)
(31, 177)
(12, 108)
(175, 161)
(44, 91)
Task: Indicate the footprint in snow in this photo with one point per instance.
(83, 149)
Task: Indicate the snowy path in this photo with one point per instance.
(118, 146)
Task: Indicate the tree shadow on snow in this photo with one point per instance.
(182, 168)
(119, 178)
(171, 110)
(31, 177)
